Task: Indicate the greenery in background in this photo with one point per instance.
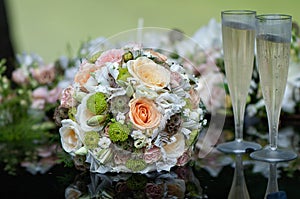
(23, 129)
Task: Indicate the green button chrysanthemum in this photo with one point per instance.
(91, 139)
(97, 103)
(136, 165)
(118, 132)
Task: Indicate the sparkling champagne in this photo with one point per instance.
(238, 44)
(273, 62)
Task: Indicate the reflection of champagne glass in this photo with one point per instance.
(272, 188)
(272, 180)
(238, 187)
(273, 39)
(238, 32)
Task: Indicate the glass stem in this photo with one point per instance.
(273, 129)
(239, 125)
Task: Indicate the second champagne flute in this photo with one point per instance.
(273, 39)
(238, 34)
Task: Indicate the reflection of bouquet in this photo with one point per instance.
(131, 110)
(180, 183)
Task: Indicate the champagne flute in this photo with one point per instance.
(273, 39)
(238, 33)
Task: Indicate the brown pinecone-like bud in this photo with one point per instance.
(173, 124)
(60, 113)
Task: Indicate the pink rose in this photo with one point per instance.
(44, 74)
(66, 98)
(113, 55)
(152, 155)
(20, 77)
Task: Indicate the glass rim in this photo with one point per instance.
(273, 17)
(238, 12)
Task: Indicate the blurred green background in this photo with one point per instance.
(47, 27)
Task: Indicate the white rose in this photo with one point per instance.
(71, 135)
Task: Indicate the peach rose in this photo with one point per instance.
(143, 113)
(84, 73)
(149, 73)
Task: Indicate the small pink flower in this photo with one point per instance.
(66, 98)
(182, 160)
(175, 80)
(38, 104)
(113, 55)
(152, 155)
(121, 157)
(54, 95)
(44, 74)
(40, 93)
(20, 77)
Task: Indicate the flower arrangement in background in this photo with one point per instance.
(209, 38)
(28, 135)
(131, 110)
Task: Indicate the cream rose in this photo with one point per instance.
(143, 113)
(175, 149)
(149, 73)
(70, 134)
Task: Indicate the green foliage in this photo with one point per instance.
(22, 129)
(65, 159)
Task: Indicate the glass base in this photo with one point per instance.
(268, 155)
(238, 147)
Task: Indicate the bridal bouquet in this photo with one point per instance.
(131, 110)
